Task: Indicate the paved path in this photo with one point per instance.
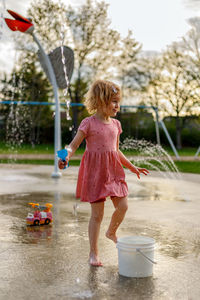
(51, 262)
(51, 156)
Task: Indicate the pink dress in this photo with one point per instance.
(101, 173)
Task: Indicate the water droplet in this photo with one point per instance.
(78, 280)
(68, 117)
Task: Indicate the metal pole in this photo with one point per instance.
(57, 128)
(197, 153)
(169, 139)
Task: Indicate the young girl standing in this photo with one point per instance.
(101, 173)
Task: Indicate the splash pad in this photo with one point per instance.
(39, 261)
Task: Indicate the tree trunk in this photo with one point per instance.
(178, 133)
(136, 127)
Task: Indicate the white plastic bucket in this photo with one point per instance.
(136, 256)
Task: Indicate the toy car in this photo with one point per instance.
(42, 214)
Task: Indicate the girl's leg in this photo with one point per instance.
(121, 206)
(97, 211)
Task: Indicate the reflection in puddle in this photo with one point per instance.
(37, 233)
(169, 243)
(196, 246)
(52, 260)
(155, 192)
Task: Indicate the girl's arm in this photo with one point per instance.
(127, 164)
(79, 137)
(73, 146)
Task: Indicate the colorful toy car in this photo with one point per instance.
(42, 214)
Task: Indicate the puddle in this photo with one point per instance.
(51, 262)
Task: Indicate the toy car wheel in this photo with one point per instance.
(47, 221)
(36, 222)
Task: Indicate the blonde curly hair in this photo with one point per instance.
(100, 94)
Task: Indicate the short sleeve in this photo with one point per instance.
(84, 126)
(119, 126)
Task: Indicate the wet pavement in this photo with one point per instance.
(50, 262)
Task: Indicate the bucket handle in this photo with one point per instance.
(153, 262)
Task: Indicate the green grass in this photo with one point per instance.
(188, 166)
(28, 149)
(49, 149)
(183, 152)
(183, 166)
(50, 162)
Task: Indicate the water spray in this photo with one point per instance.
(53, 70)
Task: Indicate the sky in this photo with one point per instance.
(154, 23)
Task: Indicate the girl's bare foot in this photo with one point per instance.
(94, 260)
(111, 237)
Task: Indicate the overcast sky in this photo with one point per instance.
(155, 23)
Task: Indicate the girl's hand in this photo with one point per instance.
(62, 164)
(137, 171)
(143, 170)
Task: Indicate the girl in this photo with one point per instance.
(101, 173)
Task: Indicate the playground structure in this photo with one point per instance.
(59, 75)
(197, 153)
(158, 122)
(51, 64)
